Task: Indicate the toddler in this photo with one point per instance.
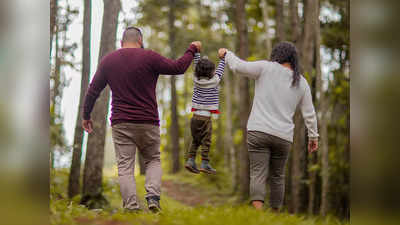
(205, 102)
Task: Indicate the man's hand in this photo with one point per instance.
(312, 145)
(87, 125)
(222, 52)
(197, 44)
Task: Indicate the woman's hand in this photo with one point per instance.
(312, 145)
(222, 52)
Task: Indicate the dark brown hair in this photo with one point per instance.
(205, 68)
(286, 52)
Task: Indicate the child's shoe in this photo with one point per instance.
(191, 165)
(206, 167)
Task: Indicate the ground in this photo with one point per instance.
(183, 202)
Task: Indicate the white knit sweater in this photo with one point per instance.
(275, 100)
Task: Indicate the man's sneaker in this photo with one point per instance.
(206, 167)
(191, 165)
(153, 202)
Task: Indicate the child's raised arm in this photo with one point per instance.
(196, 59)
(220, 68)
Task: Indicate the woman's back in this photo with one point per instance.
(275, 101)
(276, 98)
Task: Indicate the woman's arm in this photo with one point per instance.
(309, 115)
(249, 69)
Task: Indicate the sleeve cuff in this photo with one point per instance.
(192, 48)
(86, 116)
(313, 138)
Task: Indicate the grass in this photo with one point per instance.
(67, 212)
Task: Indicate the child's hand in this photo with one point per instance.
(222, 52)
(197, 44)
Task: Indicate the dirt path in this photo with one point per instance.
(191, 195)
(185, 193)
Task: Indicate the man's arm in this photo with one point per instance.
(174, 67)
(310, 119)
(97, 85)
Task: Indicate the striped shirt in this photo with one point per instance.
(206, 91)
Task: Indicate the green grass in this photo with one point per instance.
(66, 212)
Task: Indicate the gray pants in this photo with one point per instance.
(127, 137)
(267, 154)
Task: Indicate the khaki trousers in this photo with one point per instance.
(127, 138)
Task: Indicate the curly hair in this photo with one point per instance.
(204, 68)
(286, 52)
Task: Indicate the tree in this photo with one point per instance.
(279, 20)
(323, 107)
(265, 11)
(294, 20)
(75, 171)
(299, 157)
(228, 129)
(64, 50)
(244, 99)
(174, 98)
(53, 20)
(92, 175)
(313, 159)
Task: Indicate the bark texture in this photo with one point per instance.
(244, 98)
(174, 128)
(75, 171)
(92, 175)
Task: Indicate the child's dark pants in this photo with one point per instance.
(201, 127)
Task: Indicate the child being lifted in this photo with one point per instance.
(205, 102)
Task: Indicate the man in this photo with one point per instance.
(132, 73)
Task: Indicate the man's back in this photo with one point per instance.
(132, 75)
(133, 82)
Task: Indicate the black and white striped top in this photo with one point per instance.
(206, 91)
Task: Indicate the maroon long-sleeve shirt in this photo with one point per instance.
(132, 75)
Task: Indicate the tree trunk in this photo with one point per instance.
(308, 35)
(297, 156)
(320, 108)
(92, 175)
(228, 127)
(174, 97)
(74, 175)
(279, 20)
(268, 44)
(294, 20)
(299, 151)
(323, 108)
(53, 20)
(244, 99)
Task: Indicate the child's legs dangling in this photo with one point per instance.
(196, 137)
(206, 140)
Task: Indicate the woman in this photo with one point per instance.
(279, 90)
